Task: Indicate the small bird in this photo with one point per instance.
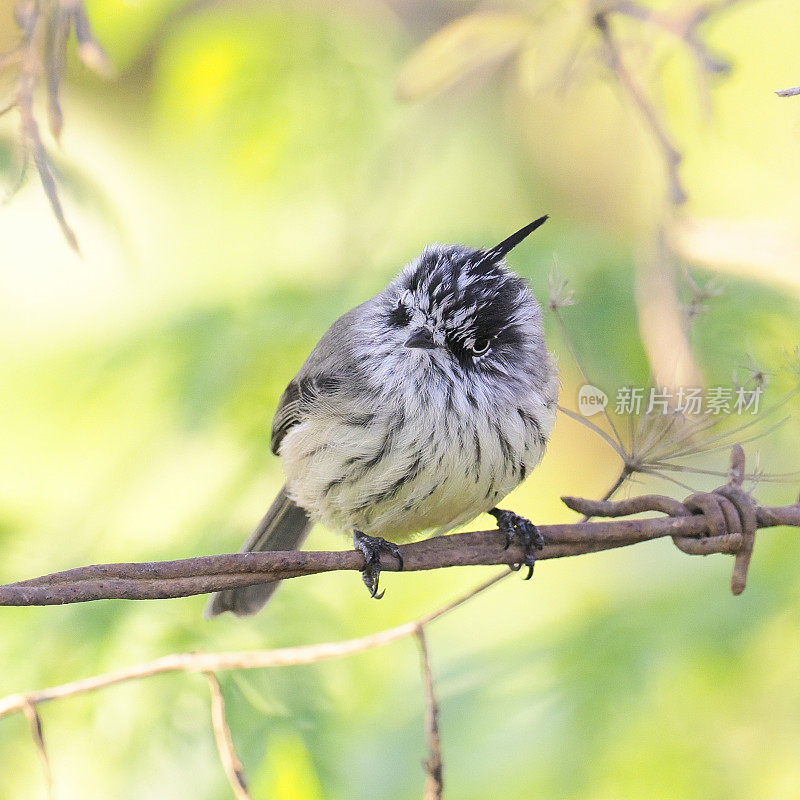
(417, 410)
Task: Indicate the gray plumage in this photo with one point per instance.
(284, 527)
(417, 410)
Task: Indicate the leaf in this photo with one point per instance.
(460, 48)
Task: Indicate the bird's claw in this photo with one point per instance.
(524, 531)
(371, 548)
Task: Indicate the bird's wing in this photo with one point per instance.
(329, 367)
(296, 402)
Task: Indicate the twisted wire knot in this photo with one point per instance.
(731, 514)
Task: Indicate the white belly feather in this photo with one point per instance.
(421, 464)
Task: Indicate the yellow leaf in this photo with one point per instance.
(463, 46)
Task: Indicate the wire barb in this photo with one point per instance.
(200, 575)
(731, 517)
(205, 574)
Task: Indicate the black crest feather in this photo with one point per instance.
(499, 250)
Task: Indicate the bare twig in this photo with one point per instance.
(45, 26)
(723, 521)
(671, 155)
(210, 663)
(249, 659)
(222, 736)
(683, 24)
(37, 733)
(794, 91)
(434, 783)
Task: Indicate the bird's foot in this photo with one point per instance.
(371, 548)
(524, 531)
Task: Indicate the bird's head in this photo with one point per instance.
(464, 306)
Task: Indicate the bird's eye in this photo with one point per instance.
(480, 346)
(400, 314)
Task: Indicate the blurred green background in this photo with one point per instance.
(253, 171)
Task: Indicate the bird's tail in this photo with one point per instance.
(284, 527)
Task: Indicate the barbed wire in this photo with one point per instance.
(722, 521)
(205, 574)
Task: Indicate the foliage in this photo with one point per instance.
(265, 177)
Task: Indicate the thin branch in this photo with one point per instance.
(45, 27)
(683, 25)
(623, 476)
(434, 783)
(250, 659)
(672, 157)
(794, 91)
(556, 309)
(724, 521)
(618, 448)
(37, 733)
(231, 763)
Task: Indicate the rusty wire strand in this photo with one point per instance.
(205, 574)
(724, 521)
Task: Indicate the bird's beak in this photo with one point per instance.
(422, 338)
